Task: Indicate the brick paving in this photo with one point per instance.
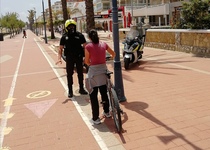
(167, 107)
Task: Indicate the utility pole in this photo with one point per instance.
(45, 34)
(117, 64)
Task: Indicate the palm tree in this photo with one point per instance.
(51, 20)
(64, 8)
(56, 20)
(31, 18)
(89, 15)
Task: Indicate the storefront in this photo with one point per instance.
(105, 20)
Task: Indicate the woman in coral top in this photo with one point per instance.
(95, 58)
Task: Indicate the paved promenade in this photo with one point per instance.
(167, 107)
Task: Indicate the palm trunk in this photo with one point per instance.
(51, 20)
(64, 8)
(89, 15)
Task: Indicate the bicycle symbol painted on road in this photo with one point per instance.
(38, 94)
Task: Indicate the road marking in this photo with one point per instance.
(5, 148)
(180, 66)
(40, 108)
(7, 130)
(10, 95)
(190, 68)
(26, 74)
(38, 94)
(53, 50)
(8, 102)
(5, 58)
(93, 130)
(10, 115)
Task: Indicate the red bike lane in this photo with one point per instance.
(33, 112)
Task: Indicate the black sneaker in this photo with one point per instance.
(83, 92)
(70, 95)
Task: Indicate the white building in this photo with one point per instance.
(57, 8)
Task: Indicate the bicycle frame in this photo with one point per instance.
(114, 103)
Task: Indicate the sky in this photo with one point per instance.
(22, 6)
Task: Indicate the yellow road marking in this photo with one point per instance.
(8, 102)
(7, 130)
(8, 116)
(5, 148)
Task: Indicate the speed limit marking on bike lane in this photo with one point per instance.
(38, 94)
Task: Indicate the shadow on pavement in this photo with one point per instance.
(140, 108)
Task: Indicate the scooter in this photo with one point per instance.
(133, 46)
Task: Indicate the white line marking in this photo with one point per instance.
(53, 50)
(180, 66)
(26, 74)
(190, 68)
(5, 58)
(11, 93)
(97, 137)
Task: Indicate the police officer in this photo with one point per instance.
(73, 42)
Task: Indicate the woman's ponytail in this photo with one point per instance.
(93, 35)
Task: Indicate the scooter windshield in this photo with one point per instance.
(132, 34)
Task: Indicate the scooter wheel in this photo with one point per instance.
(126, 63)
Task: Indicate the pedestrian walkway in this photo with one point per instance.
(167, 105)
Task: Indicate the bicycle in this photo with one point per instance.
(115, 109)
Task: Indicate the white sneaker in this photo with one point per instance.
(98, 121)
(107, 115)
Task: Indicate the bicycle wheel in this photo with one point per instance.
(116, 111)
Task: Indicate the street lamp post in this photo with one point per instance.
(45, 34)
(117, 64)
